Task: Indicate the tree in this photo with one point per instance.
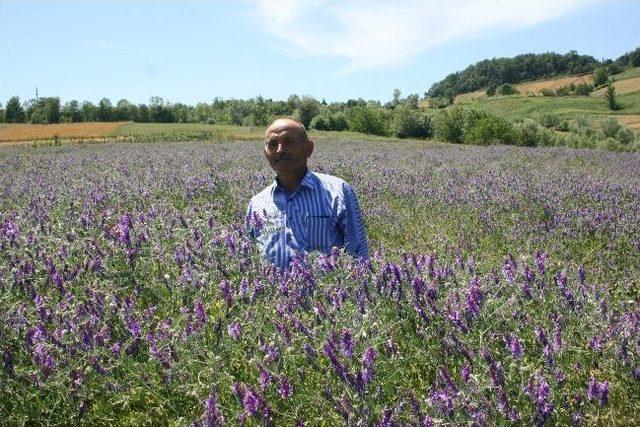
(44, 110)
(610, 94)
(306, 110)
(105, 110)
(89, 112)
(14, 112)
(600, 77)
(1, 113)
(71, 112)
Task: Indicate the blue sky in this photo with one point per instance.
(193, 51)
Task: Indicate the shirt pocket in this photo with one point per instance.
(319, 232)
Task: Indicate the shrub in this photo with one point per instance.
(547, 92)
(409, 123)
(563, 91)
(491, 129)
(450, 125)
(610, 94)
(583, 89)
(583, 126)
(320, 123)
(549, 120)
(610, 128)
(600, 77)
(507, 89)
(563, 126)
(368, 120)
(626, 136)
(338, 122)
(528, 133)
(491, 90)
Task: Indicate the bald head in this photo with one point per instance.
(287, 125)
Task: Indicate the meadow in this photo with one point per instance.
(503, 288)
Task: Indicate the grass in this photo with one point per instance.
(518, 106)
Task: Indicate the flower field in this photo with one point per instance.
(504, 289)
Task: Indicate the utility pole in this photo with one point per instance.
(36, 93)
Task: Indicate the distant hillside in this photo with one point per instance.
(526, 67)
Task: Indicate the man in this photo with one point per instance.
(302, 211)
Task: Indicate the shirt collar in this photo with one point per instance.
(307, 181)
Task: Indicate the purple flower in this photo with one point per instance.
(227, 294)
(234, 329)
(347, 343)
(466, 373)
(251, 402)
(515, 347)
(200, 312)
(284, 387)
(212, 415)
(265, 378)
(475, 298)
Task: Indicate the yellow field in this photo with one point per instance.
(622, 86)
(631, 120)
(28, 132)
(534, 88)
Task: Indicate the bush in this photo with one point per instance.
(583, 89)
(610, 128)
(491, 90)
(320, 123)
(368, 120)
(600, 77)
(549, 120)
(528, 133)
(583, 126)
(507, 89)
(563, 126)
(338, 122)
(409, 123)
(626, 136)
(547, 92)
(610, 94)
(450, 126)
(563, 91)
(491, 129)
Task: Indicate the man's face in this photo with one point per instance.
(286, 147)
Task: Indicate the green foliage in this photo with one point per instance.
(583, 89)
(626, 136)
(409, 123)
(71, 112)
(547, 92)
(491, 90)
(450, 125)
(549, 120)
(44, 110)
(600, 77)
(521, 68)
(367, 119)
(610, 95)
(489, 130)
(506, 89)
(610, 127)
(306, 109)
(89, 112)
(105, 110)
(14, 113)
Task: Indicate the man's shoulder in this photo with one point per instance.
(331, 182)
(263, 196)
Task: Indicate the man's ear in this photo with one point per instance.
(309, 147)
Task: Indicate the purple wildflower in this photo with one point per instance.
(212, 415)
(234, 329)
(284, 387)
(347, 343)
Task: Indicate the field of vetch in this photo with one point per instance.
(503, 289)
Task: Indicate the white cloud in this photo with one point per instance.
(387, 33)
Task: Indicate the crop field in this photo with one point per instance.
(503, 289)
(30, 132)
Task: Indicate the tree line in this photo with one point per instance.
(498, 71)
(400, 117)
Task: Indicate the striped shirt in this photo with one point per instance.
(321, 213)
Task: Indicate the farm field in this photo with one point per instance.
(33, 132)
(503, 287)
